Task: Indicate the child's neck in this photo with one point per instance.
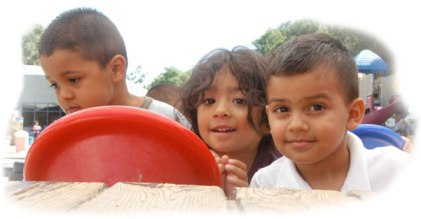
(328, 174)
(127, 99)
(135, 101)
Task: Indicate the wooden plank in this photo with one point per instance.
(288, 200)
(55, 196)
(127, 198)
(362, 195)
(153, 198)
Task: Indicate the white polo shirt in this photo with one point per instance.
(370, 170)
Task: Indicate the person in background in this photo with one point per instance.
(224, 100)
(412, 123)
(391, 122)
(36, 129)
(401, 126)
(13, 127)
(377, 101)
(312, 104)
(167, 93)
(84, 59)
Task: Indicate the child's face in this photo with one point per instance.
(308, 116)
(222, 117)
(78, 83)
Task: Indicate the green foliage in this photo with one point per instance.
(136, 76)
(269, 41)
(171, 75)
(30, 43)
(288, 30)
(354, 40)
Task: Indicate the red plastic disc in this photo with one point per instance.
(120, 144)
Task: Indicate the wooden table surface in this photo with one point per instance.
(124, 198)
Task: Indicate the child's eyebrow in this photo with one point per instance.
(318, 96)
(312, 97)
(230, 89)
(69, 72)
(64, 73)
(274, 99)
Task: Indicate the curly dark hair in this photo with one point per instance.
(248, 66)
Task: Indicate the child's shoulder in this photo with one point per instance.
(388, 155)
(378, 159)
(377, 153)
(384, 165)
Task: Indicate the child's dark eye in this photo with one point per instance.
(281, 109)
(74, 80)
(239, 101)
(54, 86)
(208, 101)
(316, 107)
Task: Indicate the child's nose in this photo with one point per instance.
(297, 123)
(221, 109)
(64, 93)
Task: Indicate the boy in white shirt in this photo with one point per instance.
(312, 104)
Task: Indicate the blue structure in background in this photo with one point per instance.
(378, 136)
(370, 63)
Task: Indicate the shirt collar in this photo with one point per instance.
(357, 177)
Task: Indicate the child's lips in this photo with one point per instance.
(72, 109)
(222, 133)
(300, 143)
(223, 129)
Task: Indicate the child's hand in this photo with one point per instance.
(235, 173)
(220, 164)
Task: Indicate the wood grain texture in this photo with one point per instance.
(288, 200)
(153, 198)
(59, 196)
(129, 198)
(362, 195)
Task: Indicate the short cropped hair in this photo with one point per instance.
(166, 92)
(86, 31)
(306, 52)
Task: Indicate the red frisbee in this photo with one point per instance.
(120, 144)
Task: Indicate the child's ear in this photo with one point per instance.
(266, 126)
(355, 114)
(265, 129)
(117, 66)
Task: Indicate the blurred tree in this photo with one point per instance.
(354, 40)
(30, 43)
(171, 75)
(269, 41)
(136, 76)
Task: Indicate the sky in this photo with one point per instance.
(177, 33)
(161, 34)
